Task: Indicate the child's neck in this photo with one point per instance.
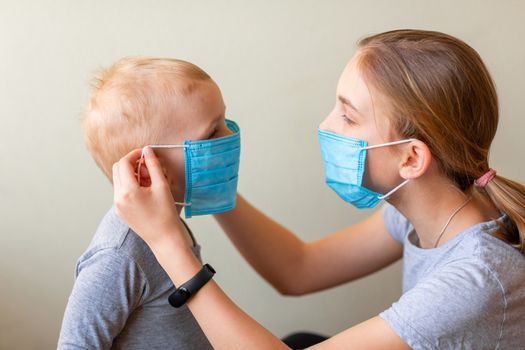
(432, 205)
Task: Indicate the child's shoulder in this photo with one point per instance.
(111, 232)
(115, 242)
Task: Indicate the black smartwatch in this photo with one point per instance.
(182, 294)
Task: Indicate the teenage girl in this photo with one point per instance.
(414, 117)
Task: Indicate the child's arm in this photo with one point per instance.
(107, 289)
(294, 267)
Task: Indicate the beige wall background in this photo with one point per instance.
(277, 63)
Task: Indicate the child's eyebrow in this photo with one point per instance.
(213, 127)
(348, 103)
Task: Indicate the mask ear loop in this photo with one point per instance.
(395, 189)
(390, 144)
(184, 204)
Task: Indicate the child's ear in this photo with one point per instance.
(416, 160)
(145, 179)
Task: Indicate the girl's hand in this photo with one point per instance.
(149, 211)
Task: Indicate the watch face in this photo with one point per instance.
(184, 293)
(179, 297)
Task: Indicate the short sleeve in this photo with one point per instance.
(462, 306)
(109, 285)
(397, 225)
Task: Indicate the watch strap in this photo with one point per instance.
(182, 294)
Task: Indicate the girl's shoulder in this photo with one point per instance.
(459, 284)
(464, 303)
(480, 245)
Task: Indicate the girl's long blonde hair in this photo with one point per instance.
(442, 94)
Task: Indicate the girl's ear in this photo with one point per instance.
(416, 158)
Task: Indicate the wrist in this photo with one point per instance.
(176, 258)
(168, 240)
(188, 289)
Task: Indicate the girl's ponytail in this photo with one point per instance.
(509, 197)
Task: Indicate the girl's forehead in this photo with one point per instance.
(371, 104)
(353, 88)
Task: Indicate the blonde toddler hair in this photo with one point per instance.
(132, 104)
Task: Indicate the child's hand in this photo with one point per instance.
(149, 211)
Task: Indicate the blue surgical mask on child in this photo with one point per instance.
(211, 173)
(344, 166)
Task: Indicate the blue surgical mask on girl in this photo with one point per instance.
(211, 173)
(344, 166)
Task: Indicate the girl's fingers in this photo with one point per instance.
(116, 183)
(132, 157)
(126, 169)
(154, 168)
(114, 175)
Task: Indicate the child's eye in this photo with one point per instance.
(347, 120)
(213, 134)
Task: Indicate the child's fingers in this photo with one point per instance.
(154, 168)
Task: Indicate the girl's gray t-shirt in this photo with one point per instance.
(468, 293)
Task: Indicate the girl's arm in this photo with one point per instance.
(294, 267)
(228, 327)
(150, 213)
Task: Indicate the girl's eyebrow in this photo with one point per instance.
(348, 103)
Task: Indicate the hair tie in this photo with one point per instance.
(485, 178)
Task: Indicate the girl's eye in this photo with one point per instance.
(347, 120)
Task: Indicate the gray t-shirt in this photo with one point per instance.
(120, 297)
(468, 293)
